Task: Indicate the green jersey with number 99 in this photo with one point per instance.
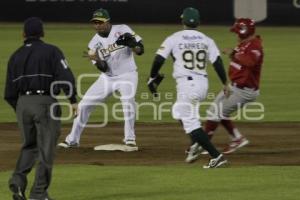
(190, 50)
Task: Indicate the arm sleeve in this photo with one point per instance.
(64, 73)
(219, 68)
(11, 93)
(101, 65)
(156, 65)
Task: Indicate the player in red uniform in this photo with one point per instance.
(244, 73)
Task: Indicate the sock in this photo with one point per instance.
(237, 134)
(228, 126)
(210, 127)
(234, 132)
(199, 136)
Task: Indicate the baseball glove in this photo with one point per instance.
(153, 84)
(126, 40)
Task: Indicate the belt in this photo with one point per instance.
(189, 78)
(36, 92)
(243, 87)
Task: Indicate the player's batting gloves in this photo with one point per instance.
(126, 40)
(153, 83)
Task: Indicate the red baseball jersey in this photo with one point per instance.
(246, 63)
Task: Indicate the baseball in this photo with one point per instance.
(91, 52)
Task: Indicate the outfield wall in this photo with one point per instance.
(280, 12)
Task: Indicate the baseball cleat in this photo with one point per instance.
(193, 153)
(131, 143)
(204, 152)
(235, 144)
(66, 145)
(217, 162)
(18, 194)
(129, 148)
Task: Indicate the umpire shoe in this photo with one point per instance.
(67, 145)
(219, 161)
(18, 194)
(193, 153)
(235, 144)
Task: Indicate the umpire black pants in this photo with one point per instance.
(40, 132)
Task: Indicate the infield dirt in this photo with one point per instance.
(165, 144)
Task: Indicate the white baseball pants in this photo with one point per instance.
(103, 87)
(189, 95)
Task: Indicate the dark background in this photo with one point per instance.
(280, 12)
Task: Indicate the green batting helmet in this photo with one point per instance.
(190, 17)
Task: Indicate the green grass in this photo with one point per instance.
(280, 91)
(169, 182)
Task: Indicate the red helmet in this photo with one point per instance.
(244, 27)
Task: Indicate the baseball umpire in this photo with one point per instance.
(31, 76)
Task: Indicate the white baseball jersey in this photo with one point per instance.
(120, 59)
(190, 50)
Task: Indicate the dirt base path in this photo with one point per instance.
(164, 144)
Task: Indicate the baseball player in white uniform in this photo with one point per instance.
(111, 50)
(190, 50)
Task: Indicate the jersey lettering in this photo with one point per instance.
(194, 60)
(191, 46)
(111, 48)
(191, 50)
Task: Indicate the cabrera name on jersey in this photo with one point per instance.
(119, 59)
(190, 50)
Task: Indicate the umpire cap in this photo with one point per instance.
(33, 27)
(190, 17)
(101, 15)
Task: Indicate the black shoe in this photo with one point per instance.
(18, 194)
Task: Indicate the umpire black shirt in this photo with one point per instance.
(33, 67)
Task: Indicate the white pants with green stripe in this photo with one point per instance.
(190, 93)
(105, 86)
